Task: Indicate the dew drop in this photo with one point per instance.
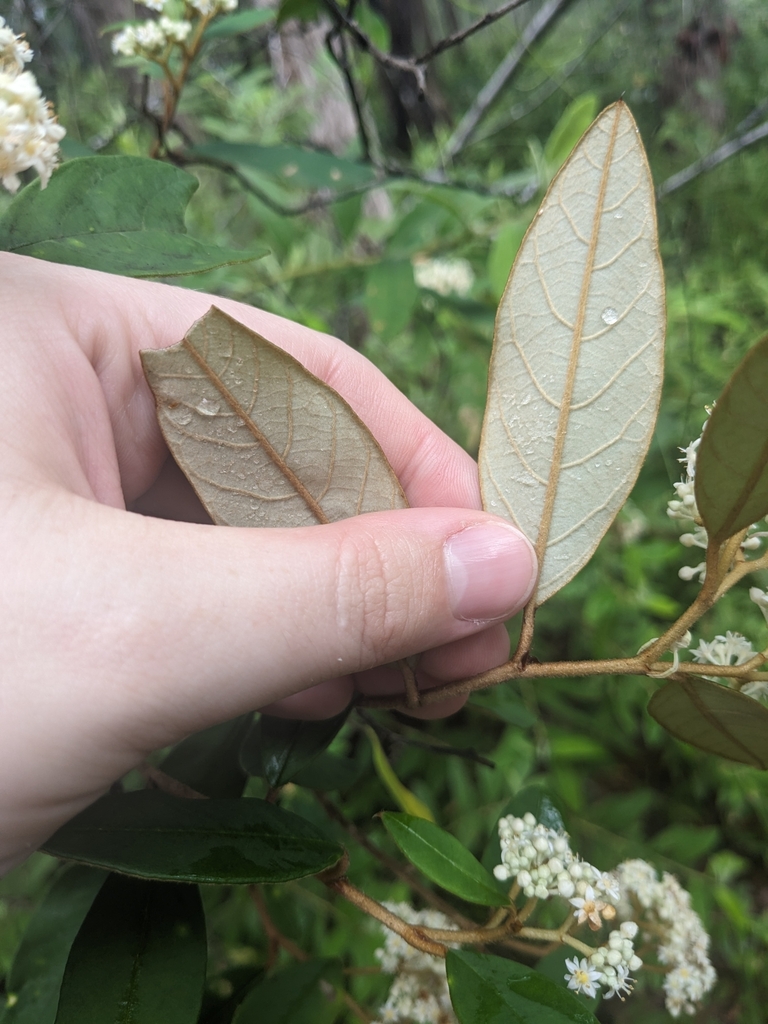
(609, 315)
(180, 415)
(208, 408)
(526, 400)
(618, 215)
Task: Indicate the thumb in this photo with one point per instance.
(127, 633)
(226, 620)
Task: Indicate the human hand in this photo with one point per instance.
(123, 633)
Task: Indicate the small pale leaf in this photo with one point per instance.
(714, 718)
(443, 859)
(402, 796)
(262, 440)
(576, 369)
(732, 461)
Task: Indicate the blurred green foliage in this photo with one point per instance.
(628, 788)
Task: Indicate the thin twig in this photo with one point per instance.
(167, 784)
(706, 163)
(336, 46)
(401, 871)
(441, 749)
(501, 76)
(415, 65)
(274, 935)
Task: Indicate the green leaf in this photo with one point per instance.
(236, 24)
(153, 835)
(292, 996)
(574, 121)
(402, 796)
(120, 214)
(304, 10)
(286, 745)
(732, 460)
(501, 256)
(208, 761)
(290, 166)
(34, 980)
(487, 989)
(390, 296)
(443, 859)
(139, 958)
(328, 773)
(714, 718)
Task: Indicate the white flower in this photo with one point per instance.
(156, 5)
(419, 992)
(685, 943)
(588, 908)
(175, 31)
(29, 132)
(618, 983)
(444, 276)
(150, 37)
(731, 649)
(124, 42)
(14, 50)
(761, 600)
(582, 977)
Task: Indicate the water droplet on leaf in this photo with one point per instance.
(208, 408)
(609, 315)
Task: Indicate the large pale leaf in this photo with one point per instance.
(489, 989)
(732, 461)
(34, 980)
(576, 369)
(139, 958)
(443, 859)
(262, 440)
(152, 835)
(121, 214)
(714, 718)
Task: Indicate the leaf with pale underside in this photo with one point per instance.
(714, 718)
(262, 440)
(576, 370)
(732, 460)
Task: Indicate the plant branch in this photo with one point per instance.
(415, 65)
(441, 749)
(274, 935)
(713, 159)
(412, 935)
(501, 76)
(394, 866)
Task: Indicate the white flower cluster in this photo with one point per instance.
(419, 993)
(14, 50)
(684, 507)
(685, 944)
(29, 132)
(733, 649)
(608, 966)
(150, 38)
(542, 863)
(445, 277)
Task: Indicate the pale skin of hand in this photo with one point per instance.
(122, 632)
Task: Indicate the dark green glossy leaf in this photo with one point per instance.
(208, 761)
(120, 214)
(139, 958)
(487, 989)
(732, 461)
(290, 166)
(236, 24)
(34, 980)
(714, 718)
(292, 996)
(153, 835)
(443, 859)
(286, 745)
